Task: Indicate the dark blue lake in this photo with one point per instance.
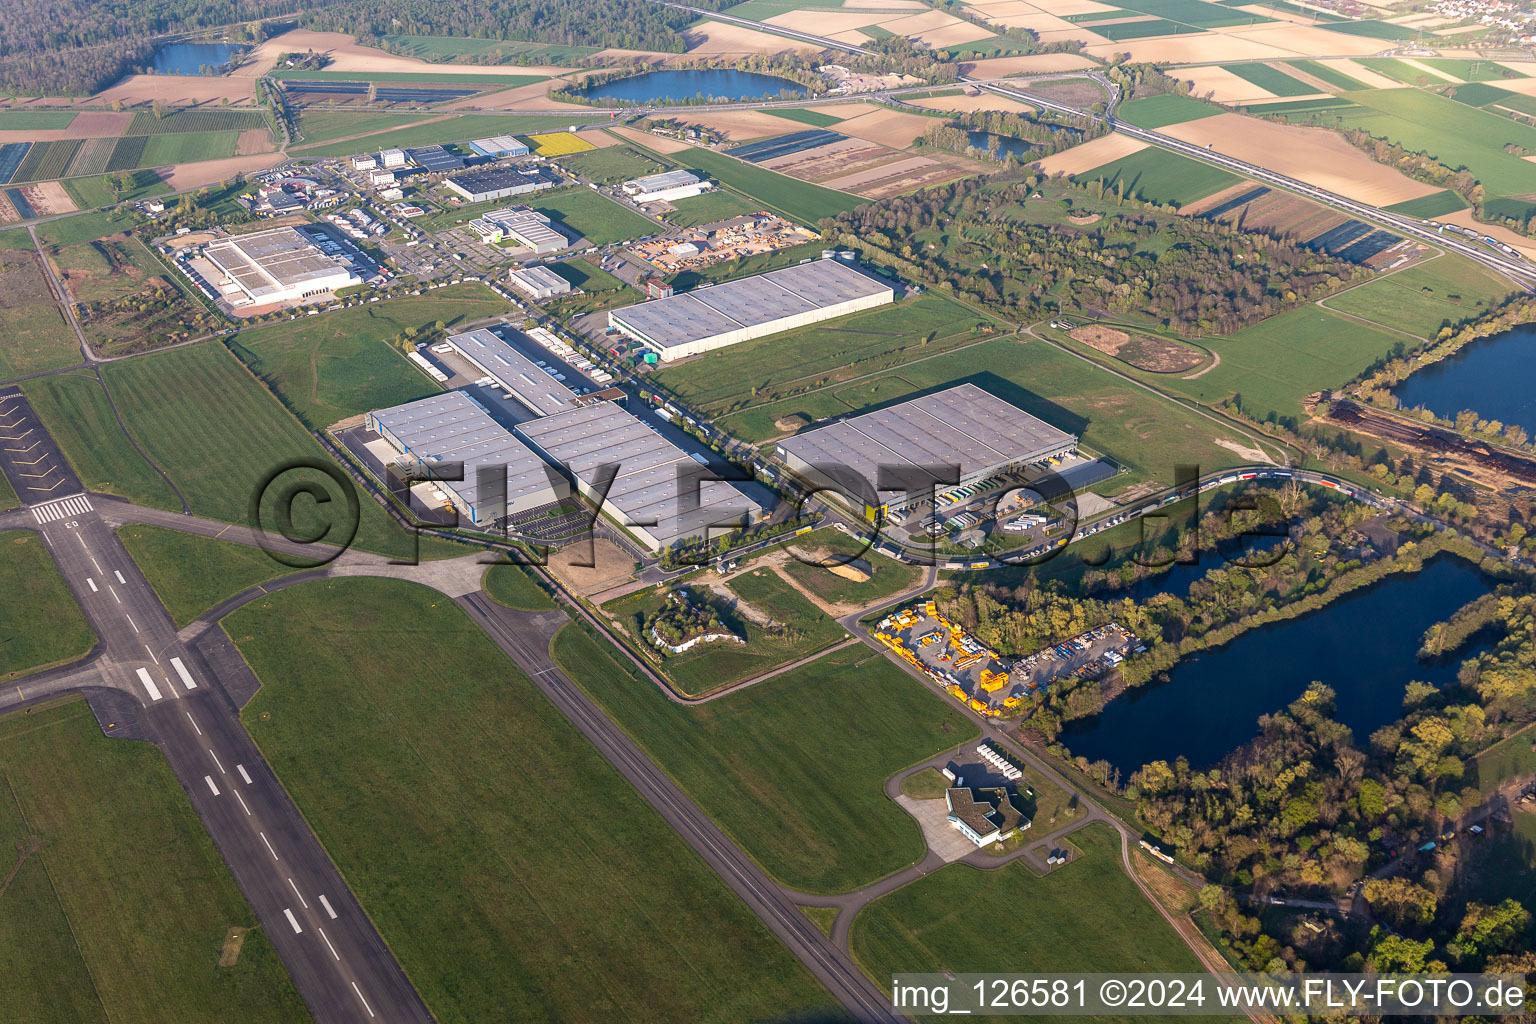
(1364, 646)
(710, 83)
(187, 58)
(1491, 376)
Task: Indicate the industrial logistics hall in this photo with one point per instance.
(278, 265)
(753, 307)
(963, 428)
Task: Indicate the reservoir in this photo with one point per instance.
(1364, 646)
(710, 83)
(1490, 376)
(187, 58)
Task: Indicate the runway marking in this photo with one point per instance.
(152, 655)
(244, 808)
(361, 999)
(113, 590)
(328, 945)
(149, 684)
(298, 894)
(119, 576)
(243, 774)
(293, 921)
(78, 505)
(194, 723)
(181, 670)
(327, 905)
(269, 845)
(131, 623)
(216, 761)
(209, 779)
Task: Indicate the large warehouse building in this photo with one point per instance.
(496, 183)
(963, 428)
(452, 428)
(278, 265)
(521, 225)
(665, 187)
(533, 387)
(538, 282)
(659, 494)
(753, 307)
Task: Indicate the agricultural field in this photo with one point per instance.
(36, 336)
(1085, 916)
(1333, 76)
(799, 201)
(122, 909)
(611, 165)
(35, 120)
(342, 364)
(1270, 79)
(1422, 299)
(1158, 176)
(78, 414)
(815, 118)
(46, 161)
(717, 205)
(186, 148)
(42, 624)
(794, 628)
(427, 77)
(596, 217)
(1161, 111)
(794, 767)
(449, 48)
(426, 130)
(195, 121)
(1434, 205)
(558, 144)
(320, 126)
(822, 354)
(554, 913)
(192, 573)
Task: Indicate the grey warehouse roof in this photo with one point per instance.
(454, 428)
(664, 180)
(706, 312)
(284, 255)
(655, 482)
(514, 371)
(963, 426)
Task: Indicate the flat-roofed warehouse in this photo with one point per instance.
(496, 183)
(277, 265)
(659, 493)
(539, 282)
(454, 428)
(753, 307)
(962, 428)
(666, 186)
(519, 376)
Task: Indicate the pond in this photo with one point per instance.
(1006, 145)
(710, 83)
(1491, 376)
(1364, 646)
(189, 58)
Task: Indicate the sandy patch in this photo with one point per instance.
(205, 172)
(907, 168)
(1431, 70)
(47, 198)
(347, 55)
(1091, 154)
(1306, 40)
(846, 110)
(1524, 86)
(1362, 74)
(176, 90)
(716, 37)
(887, 127)
(611, 565)
(955, 35)
(1034, 21)
(1223, 85)
(744, 124)
(1314, 155)
(1465, 219)
(254, 141)
(8, 214)
(1251, 454)
(929, 24)
(1038, 64)
(655, 142)
(966, 104)
(852, 36)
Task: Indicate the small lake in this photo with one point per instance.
(711, 83)
(187, 58)
(1363, 646)
(1006, 145)
(1490, 376)
(1256, 552)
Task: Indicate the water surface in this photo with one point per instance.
(1491, 376)
(188, 58)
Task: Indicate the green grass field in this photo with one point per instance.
(1158, 176)
(324, 126)
(811, 117)
(35, 120)
(193, 573)
(338, 365)
(603, 290)
(223, 434)
(458, 128)
(122, 914)
(514, 586)
(792, 768)
(1396, 69)
(188, 148)
(834, 350)
(512, 870)
(799, 628)
(195, 121)
(1471, 70)
(8, 499)
(1085, 916)
(799, 201)
(1332, 76)
(36, 336)
(1434, 205)
(887, 576)
(1270, 79)
(611, 165)
(40, 623)
(596, 217)
(1374, 29)
(84, 226)
(1510, 757)
(710, 207)
(77, 413)
(446, 48)
(1422, 299)
(1161, 111)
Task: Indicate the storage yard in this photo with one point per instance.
(723, 241)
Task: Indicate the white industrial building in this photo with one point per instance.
(531, 384)
(453, 430)
(752, 307)
(365, 162)
(481, 186)
(392, 158)
(277, 265)
(960, 434)
(528, 228)
(381, 179)
(538, 282)
(658, 493)
(666, 186)
(499, 146)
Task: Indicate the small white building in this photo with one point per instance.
(366, 162)
(667, 186)
(381, 179)
(392, 158)
(527, 227)
(538, 282)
